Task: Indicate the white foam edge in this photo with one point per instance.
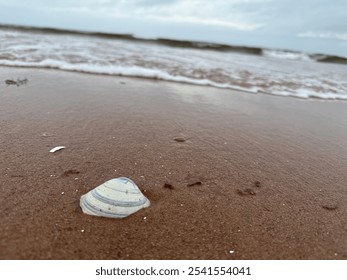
(140, 72)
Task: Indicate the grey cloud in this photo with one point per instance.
(153, 2)
(317, 15)
(258, 22)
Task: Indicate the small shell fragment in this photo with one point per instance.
(116, 198)
(58, 148)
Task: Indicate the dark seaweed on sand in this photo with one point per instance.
(18, 82)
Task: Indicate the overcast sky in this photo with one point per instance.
(308, 25)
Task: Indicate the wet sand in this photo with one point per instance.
(230, 175)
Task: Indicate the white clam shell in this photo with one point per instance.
(116, 198)
(57, 149)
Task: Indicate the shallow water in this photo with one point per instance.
(248, 69)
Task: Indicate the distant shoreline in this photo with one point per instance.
(319, 57)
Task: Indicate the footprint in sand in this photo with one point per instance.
(180, 139)
(257, 184)
(192, 183)
(249, 191)
(69, 172)
(329, 207)
(168, 186)
(245, 192)
(193, 180)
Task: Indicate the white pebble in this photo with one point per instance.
(82, 230)
(231, 252)
(62, 192)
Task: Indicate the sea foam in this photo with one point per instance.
(274, 72)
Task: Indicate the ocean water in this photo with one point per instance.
(250, 70)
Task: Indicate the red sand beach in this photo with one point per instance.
(269, 173)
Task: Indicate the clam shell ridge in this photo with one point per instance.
(116, 198)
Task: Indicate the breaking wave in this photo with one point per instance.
(247, 69)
